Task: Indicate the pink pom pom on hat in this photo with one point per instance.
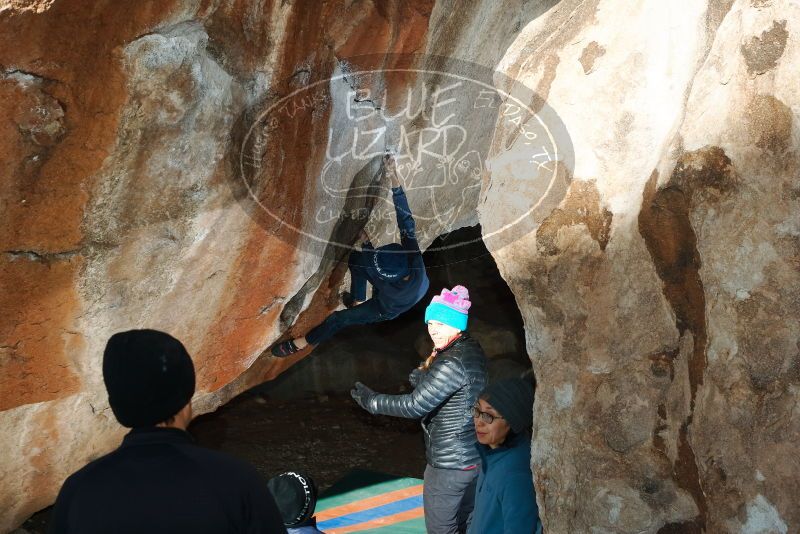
(456, 298)
(451, 307)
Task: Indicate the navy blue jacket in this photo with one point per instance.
(398, 296)
(505, 499)
(159, 481)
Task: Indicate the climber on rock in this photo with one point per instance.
(396, 272)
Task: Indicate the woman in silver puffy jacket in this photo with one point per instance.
(446, 386)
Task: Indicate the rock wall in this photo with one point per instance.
(184, 165)
(661, 297)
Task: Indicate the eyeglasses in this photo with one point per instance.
(484, 416)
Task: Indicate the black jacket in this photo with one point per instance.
(159, 481)
(443, 398)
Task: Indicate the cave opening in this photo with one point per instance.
(305, 419)
(381, 355)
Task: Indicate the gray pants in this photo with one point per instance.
(448, 496)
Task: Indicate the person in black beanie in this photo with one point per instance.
(296, 496)
(505, 499)
(158, 480)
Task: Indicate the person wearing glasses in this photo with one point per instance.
(505, 500)
(446, 386)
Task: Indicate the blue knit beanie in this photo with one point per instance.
(451, 307)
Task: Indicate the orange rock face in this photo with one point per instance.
(118, 207)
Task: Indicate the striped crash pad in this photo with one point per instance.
(365, 501)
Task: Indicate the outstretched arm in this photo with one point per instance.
(438, 384)
(405, 220)
(390, 167)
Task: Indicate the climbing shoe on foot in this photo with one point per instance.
(286, 348)
(348, 300)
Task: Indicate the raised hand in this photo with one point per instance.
(391, 169)
(415, 376)
(364, 397)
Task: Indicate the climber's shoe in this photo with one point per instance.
(348, 300)
(284, 349)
